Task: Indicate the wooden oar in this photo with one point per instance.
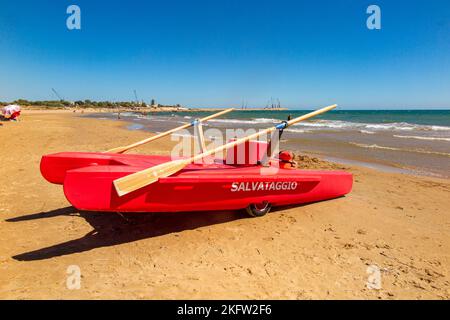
(148, 176)
(163, 134)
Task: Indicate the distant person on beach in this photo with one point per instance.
(289, 117)
(11, 112)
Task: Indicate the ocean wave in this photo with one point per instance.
(366, 132)
(422, 138)
(370, 128)
(392, 126)
(297, 130)
(233, 121)
(330, 124)
(375, 146)
(183, 135)
(246, 121)
(405, 126)
(128, 114)
(440, 128)
(339, 124)
(135, 126)
(266, 120)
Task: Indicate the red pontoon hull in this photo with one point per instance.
(88, 184)
(54, 166)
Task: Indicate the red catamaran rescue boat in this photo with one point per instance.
(89, 182)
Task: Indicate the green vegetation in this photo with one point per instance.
(83, 104)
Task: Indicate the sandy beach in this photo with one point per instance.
(396, 222)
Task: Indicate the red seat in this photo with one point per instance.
(248, 153)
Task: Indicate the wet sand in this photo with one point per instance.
(396, 222)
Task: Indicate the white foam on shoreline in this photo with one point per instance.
(234, 121)
(366, 132)
(440, 128)
(297, 130)
(266, 120)
(375, 146)
(422, 138)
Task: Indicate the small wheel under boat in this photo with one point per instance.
(259, 209)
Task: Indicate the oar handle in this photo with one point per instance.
(310, 115)
(216, 115)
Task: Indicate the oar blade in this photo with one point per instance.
(148, 176)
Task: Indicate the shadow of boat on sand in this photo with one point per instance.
(111, 229)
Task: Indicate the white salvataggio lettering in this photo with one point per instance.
(263, 186)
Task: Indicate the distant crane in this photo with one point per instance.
(135, 95)
(271, 104)
(244, 104)
(57, 94)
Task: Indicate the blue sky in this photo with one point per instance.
(221, 52)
